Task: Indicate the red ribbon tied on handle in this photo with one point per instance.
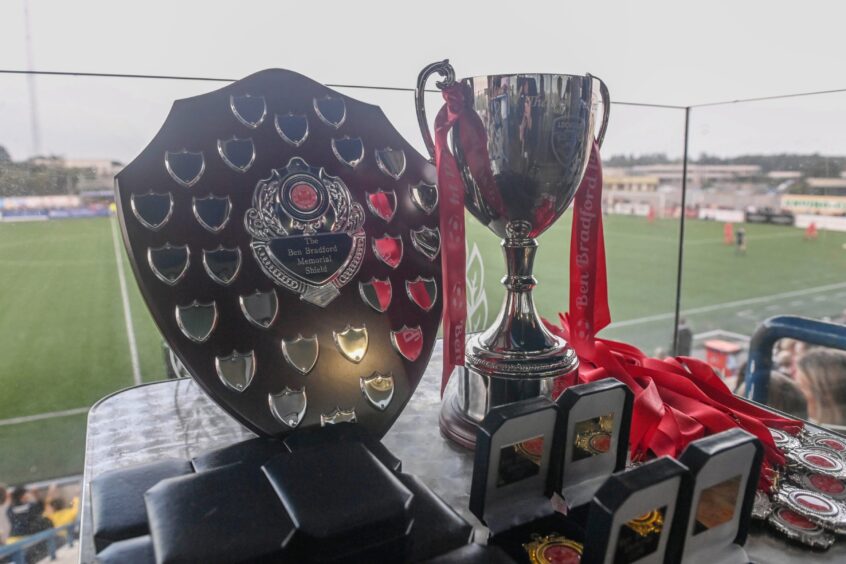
(451, 209)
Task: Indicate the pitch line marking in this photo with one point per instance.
(42, 416)
(127, 312)
(727, 305)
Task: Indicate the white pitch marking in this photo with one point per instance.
(728, 305)
(42, 416)
(127, 312)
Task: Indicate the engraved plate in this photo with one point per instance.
(331, 111)
(212, 212)
(388, 249)
(376, 293)
(288, 406)
(185, 167)
(348, 151)
(408, 341)
(391, 162)
(338, 416)
(222, 264)
(301, 353)
(286, 199)
(423, 292)
(169, 263)
(238, 154)
(293, 129)
(424, 196)
(352, 342)
(427, 241)
(307, 232)
(249, 110)
(378, 389)
(236, 371)
(197, 320)
(260, 308)
(152, 209)
(382, 204)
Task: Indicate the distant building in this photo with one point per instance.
(97, 174)
(784, 175)
(697, 175)
(826, 186)
(630, 183)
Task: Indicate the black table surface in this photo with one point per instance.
(175, 419)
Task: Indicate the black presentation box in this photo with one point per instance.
(353, 432)
(725, 468)
(631, 518)
(592, 438)
(345, 504)
(229, 514)
(513, 477)
(117, 499)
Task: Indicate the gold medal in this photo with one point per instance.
(647, 523)
(553, 549)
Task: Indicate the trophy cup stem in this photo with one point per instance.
(517, 358)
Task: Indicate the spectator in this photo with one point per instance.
(60, 513)
(783, 362)
(740, 241)
(4, 521)
(25, 513)
(684, 340)
(785, 395)
(821, 375)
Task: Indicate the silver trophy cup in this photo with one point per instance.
(539, 131)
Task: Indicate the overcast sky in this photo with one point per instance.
(663, 52)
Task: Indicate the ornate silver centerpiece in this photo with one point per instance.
(539, 132)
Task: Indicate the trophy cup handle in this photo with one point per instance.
(606, 110)
(444, 69)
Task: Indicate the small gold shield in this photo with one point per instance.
(352, 342)
(301, 353)
(378, 389)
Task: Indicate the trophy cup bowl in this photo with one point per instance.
(539, 131)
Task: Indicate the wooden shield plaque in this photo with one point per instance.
(285, 239)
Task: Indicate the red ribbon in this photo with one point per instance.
(677, 400)
(451, 204)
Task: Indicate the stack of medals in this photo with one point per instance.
(808, 501)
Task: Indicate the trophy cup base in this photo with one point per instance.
(455, 425)
(472, 391)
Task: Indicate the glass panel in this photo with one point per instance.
(519, 461)
(716, 505)
(640, 536)
(766, 236)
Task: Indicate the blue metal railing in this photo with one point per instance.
(785, 327)
(16, 553)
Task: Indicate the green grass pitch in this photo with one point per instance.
(63, 342)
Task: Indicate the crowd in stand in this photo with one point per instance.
(808, 382)
(24, 512)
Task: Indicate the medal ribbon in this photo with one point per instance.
(677, 400)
